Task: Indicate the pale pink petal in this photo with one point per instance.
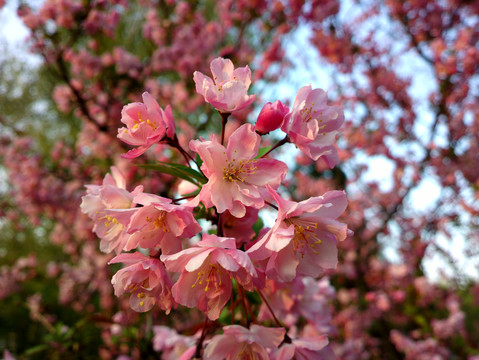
(222, 196)
(243, 74)
(222, 70)
(243, 143)
(134, 153)
(225, 260)
(209, 240)
(269, 172)
(183, 290)
(270, 337)
(198, 259)
(284, 264)
(128, 258)
(220, 347)
(280, 238)
(202, 82)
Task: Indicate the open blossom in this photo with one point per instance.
(304, 237)
(98, 203)
(159, 223)
(146, 124)
(271, 117)
(206, 272)
(228, 90)
(311, 125)
(146, 279)
(237, 342)
(236, 178)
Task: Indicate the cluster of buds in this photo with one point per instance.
(172, 260)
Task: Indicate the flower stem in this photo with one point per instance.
(219, 231)
(272, 205)
(176, 144)
(269, 308)
(280, 143)
(199, 345)
(224, 120)
(243, 303)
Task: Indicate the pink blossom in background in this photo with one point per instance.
(270, 117)
(146, 279)
(206, 272)
(159, 223)
(146, 124)
(304, 237)
(237, 342)
(240, 228)
(228, 90)
(172, 345)
(235, 178)
(311, 125)
(97, 204)
(305, 348)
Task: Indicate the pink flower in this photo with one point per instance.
(235, 176)
(146, 124)
(304, 237)
(228, 90)
(271, 117)
(97, 204)
(240, 228)
(305, 349)
(312, 125)
(238, 342)
(146, 279)
(159, 223)
(206, 273)
(172, 345)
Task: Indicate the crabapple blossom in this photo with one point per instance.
(304, 237)
(173, 345)
(311, 125)
(237, 342)
(271, 117)
(146, 124)
(228, 90)
(306, 348)
(97, 204)
(304, 296)
(235, 177)
(206, 272)
(159, 223)
(240, 228)
(146, 279)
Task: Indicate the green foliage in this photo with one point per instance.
(178, 170)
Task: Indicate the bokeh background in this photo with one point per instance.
(406, 75)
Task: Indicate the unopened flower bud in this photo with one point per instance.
(271, 117)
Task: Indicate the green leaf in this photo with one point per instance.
(198, 160)
(36, 349)
(262, 151)
(178, 170)
(258, 225)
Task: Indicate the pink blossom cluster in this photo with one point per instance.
(171, 260)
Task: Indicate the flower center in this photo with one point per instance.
(304, 237)
(211, 275)
(238, 171)
(145, 284)
(159, 222)
(248, 353)
(140, 120)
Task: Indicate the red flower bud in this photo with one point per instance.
(271, 117)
